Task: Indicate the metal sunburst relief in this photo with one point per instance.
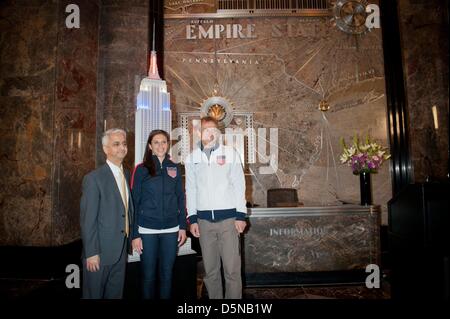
(350, 16)
(217, 107)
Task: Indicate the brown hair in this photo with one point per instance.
(148, 155)
(209, 119)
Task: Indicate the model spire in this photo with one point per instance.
(153, 69)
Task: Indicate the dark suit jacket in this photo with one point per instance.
(102, 216)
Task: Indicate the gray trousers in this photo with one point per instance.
(108, 281)
(220, 241)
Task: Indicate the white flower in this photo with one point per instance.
(365, 147)
(351, 151)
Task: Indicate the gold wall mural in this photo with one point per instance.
(279, 70)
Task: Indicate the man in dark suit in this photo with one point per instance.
(106, 211)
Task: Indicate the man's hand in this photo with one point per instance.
(240, 225)
(195, 230)
(137, 245)
(93, 263)
(181, 237)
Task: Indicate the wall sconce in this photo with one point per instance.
(435, 117)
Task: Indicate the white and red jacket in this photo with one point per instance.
(215, 187)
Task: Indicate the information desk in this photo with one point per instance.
(310, 245)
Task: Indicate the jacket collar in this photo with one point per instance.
(198, 155)
(157, 163)
(215, 147)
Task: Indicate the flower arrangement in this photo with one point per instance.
(363, 157)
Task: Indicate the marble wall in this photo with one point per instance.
(280, 73)
(424, 37)
(61, 88)
(48, 92)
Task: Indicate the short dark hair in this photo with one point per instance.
(209, 119)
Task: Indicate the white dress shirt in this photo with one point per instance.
(118, 177)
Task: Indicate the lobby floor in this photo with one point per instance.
(42, 289)
(347, 291)
(29, 288)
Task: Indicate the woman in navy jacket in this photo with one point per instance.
(160, 215)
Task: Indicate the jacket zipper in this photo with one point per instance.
(162, 176)
(209, 164)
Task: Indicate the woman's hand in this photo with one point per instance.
(181, 237)
(194, 230)
(137, 245)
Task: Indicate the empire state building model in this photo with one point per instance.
(153, 107)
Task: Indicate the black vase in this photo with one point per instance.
(365, 188)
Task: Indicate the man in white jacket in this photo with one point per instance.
(216, 206)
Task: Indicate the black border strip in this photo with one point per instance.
(397, 115)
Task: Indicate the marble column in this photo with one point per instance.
(424, 40)
(123, 46)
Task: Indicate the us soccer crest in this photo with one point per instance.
(221, 159)
(172, 172)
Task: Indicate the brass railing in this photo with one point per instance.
(272, 4)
